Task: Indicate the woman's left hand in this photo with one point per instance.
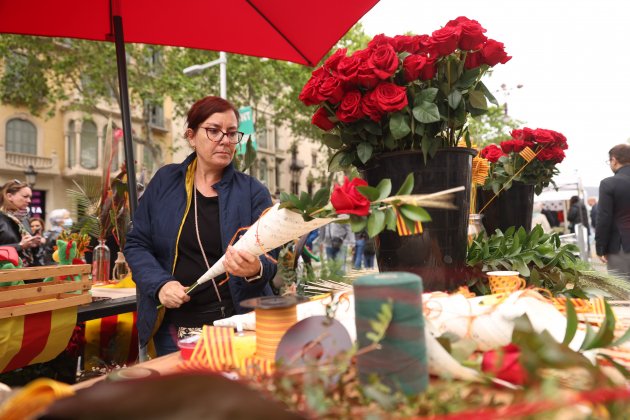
(241, 263)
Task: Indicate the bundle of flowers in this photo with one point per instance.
(531, 156)
(403, 93)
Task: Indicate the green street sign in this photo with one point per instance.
(246, 125)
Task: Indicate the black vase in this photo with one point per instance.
(511, 207)
(438, 255)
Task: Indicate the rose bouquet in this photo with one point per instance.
(530, 157)
(370, 207)
(409, 92)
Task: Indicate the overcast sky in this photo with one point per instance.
(572, 58)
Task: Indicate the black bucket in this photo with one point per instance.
(512, 207)
(438, 255)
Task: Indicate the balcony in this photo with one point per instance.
(19, 162)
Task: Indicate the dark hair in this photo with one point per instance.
(203, 108)
(621, 152)
(574, 200)
(37, 219)
(11, 187)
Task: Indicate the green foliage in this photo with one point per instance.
(537, 256)
(381, 323)
(492, 127)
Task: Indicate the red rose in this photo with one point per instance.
(473, 60)
(390, 97)
(381, 39)
(471, 36)
(543, 137)
(429, 71)
(526, 134)
(412, 67)
(494, 53)
(424, 44)
(559, 139)
(384, 61)
(346, 199)
(310, 91)
(333, 61)
(554, 154)
(350, 108)
(366, 77)
(514, 145)
(348, 68)
(370, 108)
(492, 152)
(444, 41)
(504, 364)
(331, 90)
(321, 120)
(406, 43)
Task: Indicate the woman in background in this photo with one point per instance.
(15, 230)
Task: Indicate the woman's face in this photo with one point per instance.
(213, 154)
(37, 227)
(20, 200)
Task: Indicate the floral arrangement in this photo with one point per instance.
(530, 157)
(367, 206)
(409, 92)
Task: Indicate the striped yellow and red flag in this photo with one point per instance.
(112, 339)
(214, 350)
(35, 338)
(403, 229)
(527, 154)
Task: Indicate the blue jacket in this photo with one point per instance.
(151, 248)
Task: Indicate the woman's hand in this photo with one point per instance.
(241, 263)
(29, 241)
(173, 294)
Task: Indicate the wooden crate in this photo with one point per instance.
(44, 296)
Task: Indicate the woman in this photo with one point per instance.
(185, 220)
(38, 252)
(15, 231)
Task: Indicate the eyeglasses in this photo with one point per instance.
(216, 135)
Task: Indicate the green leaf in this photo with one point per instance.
(376, 223)
(487, 93)
(606, 333)
(477, 100)
(425, 95)
(454, 98)
(390, 219)
(364, 150)
(467, 79)
(384, 188)
(399, 125)
(407, 187)
(357, 223)
(333, 141)
(335, 162)
(426, 112)
(625, 337)
(371, 193)
(417, 214)
(320, 198)
(572, 323)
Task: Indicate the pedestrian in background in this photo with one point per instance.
(359, 238)
(337, 239)
(612, 236)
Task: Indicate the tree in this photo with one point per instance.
(492, 127)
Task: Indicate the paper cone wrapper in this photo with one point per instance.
(274, 228)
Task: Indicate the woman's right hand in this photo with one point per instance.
(173, 294)
(29, 241)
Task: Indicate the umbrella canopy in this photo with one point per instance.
(298, 31)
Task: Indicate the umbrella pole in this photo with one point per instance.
(121, 60)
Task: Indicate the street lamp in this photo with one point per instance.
(295, 168)
(222, 62)
(31, 175)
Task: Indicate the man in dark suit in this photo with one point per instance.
(612, 236)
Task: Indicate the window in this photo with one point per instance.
(21, 137)
(156, 115)
(261, 135)
(314, 159)
(147, 159)
(72, 142)
(263, 172)
(89, 145)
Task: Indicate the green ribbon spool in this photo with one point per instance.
(401, 362)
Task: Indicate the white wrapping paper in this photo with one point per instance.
(274, 228)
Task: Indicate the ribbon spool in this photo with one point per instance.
(274, 316)
(401, 362)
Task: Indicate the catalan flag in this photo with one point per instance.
(403, 229)
(527, 154)
(113, 339)
(35, 338)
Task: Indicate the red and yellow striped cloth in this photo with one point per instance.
(403, 229)
(113, 339)
(527, 154)
(35, 338)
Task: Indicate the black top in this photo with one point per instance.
(204, 306)
(613, 214)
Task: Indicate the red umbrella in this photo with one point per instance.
(299, 31)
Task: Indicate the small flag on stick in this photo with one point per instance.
(527, 154)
